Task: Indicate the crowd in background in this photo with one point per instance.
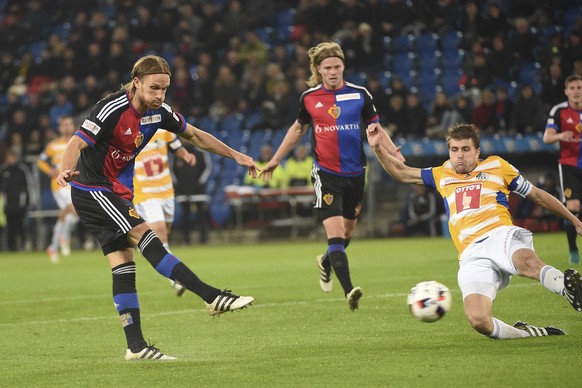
(59, 57)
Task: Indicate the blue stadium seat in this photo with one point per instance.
(426, 44)
(450, 40)
(403, 44)
(286, 17)
(529, 74)
(208, 124)
(403, 63)
(384, 77)
(220, 212)
(266, 34)
(453, 59)
(358, 78)
(233, 124)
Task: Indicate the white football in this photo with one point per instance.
(429, 301)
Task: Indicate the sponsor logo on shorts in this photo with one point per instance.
(568, 192)
(328, 199)
(91, 127)
(151, 119)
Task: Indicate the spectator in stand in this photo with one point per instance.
(504, 108)
(396, 117)
(202, 91)
(471, 24)
(62, 107)
(485, 114)
(277, 109)
(190, 187)
(494, 22)
(381, 98)
(522, 42)
(278, 179)
(253, 46)
(463, 108)
(500, 60)
(17, 189)
(226, 93)
(298, 167)
(441, 116)
(395, 15)
(552, 86)
(416, 117)
(421, 212)
(528, 112)
(236, 19)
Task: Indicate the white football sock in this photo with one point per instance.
(552, 279)
(57, 232)
(502, 330)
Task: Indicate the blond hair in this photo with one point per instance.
(317, 54)
(149, 64)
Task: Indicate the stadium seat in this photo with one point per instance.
(233, 124)
(450, 41)
(384, 77)
(529, 74)
(426, 44)
(266, 34)
(403, 44)
(358, 78)
(403, 63)
(286, 17)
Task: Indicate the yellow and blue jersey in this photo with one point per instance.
(476, 202)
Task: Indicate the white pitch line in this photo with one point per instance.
(188, 311)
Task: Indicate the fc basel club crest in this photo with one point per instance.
(568, 192)
(138, 140)
(334, 111)
(328, 198)
(579, 127)
(132, 211)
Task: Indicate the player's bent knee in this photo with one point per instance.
(481, 323)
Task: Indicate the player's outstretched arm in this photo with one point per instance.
(294, 134)
(206, 141)
(389, 144)
(551, 203)
(69, 160)
(396, 168)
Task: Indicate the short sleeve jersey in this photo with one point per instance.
(51, 158)
(338, 136)
(563, 118)
(116, 133)
(152, 178)
(477, 202)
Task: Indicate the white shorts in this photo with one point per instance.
(485, 266)
(156, 210)
(63, 197)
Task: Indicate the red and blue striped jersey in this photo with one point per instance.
(116, 133)
(564, 118)
(338, 134)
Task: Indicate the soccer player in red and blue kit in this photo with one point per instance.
(98, 163)
(334, 108)
(564, 125)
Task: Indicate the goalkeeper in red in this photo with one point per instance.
(491, 249)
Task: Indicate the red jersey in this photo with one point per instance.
(564, 118)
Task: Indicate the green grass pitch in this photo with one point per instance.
(58, 326)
